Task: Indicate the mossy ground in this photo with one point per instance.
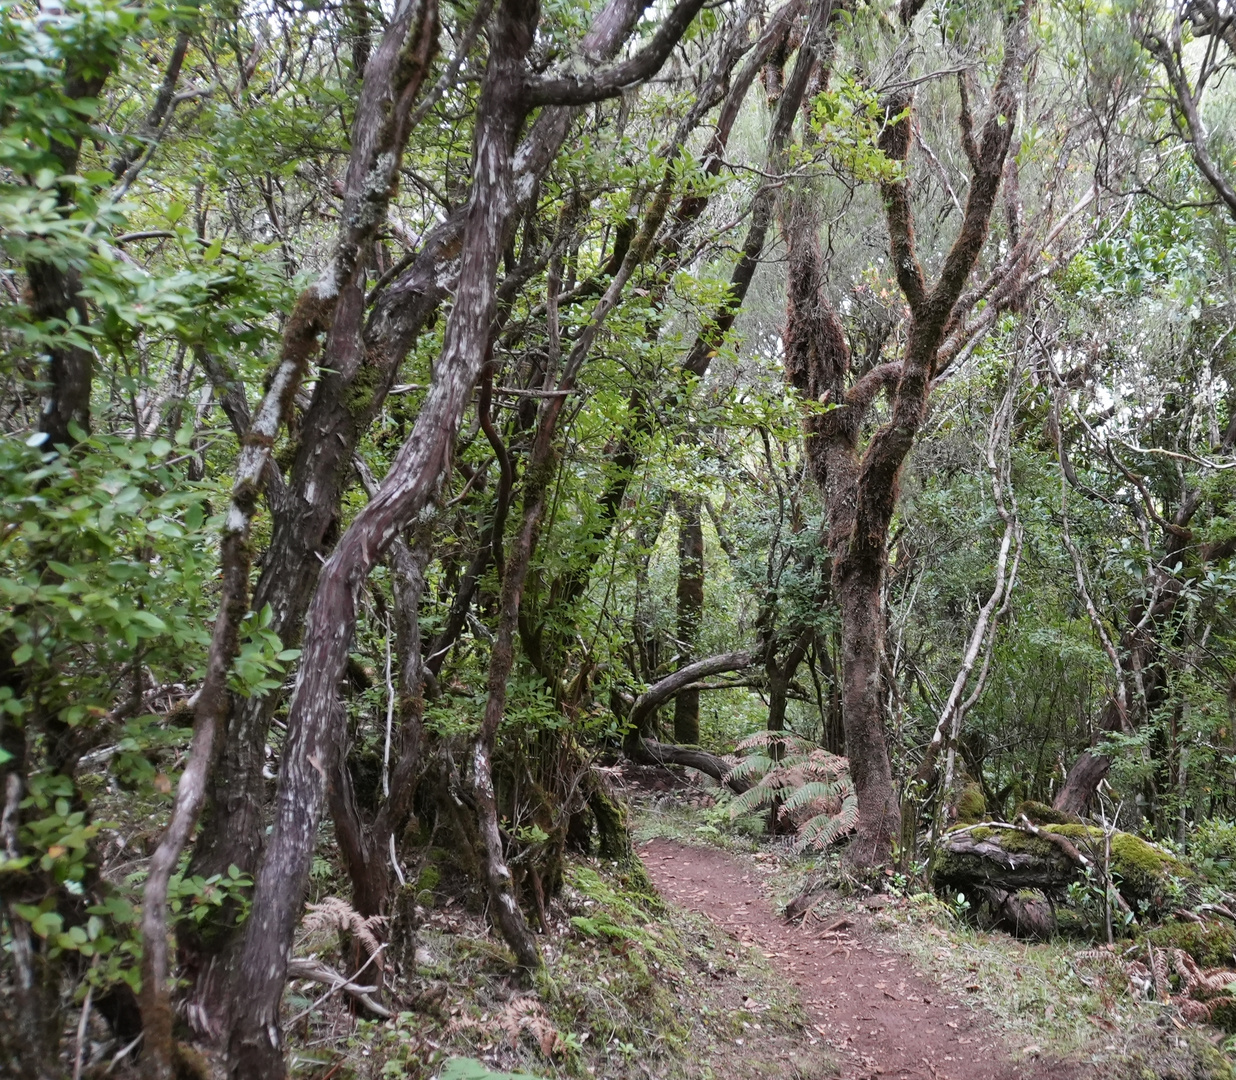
(1211, 944)
(630, 989)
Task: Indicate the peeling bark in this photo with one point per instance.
(345, 402)
(331, 305)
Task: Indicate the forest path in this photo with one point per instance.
(882, 1018)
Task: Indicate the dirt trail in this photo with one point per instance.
(867, 1002)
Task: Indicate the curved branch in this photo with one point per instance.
(506, 474)
(662, 691)
(580, 90)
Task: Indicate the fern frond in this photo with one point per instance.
(822, 791)
(823, 830)
(754, 798)
(752, 765)
(823, 764)
(793, 743)
(336, 914)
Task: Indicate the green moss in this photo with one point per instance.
(358, 396)
(1042, 814)
(613, 830)
(1211, 944)
(1224, 1014)
(1144, 872)
(971, 805)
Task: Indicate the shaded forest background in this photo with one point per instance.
(410, 411)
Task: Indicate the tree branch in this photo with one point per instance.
(580, 90)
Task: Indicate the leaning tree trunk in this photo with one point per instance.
(507, 94)
(349, 394)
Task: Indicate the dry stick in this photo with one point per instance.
(81, 1034)
(407, 572)
(122, 1054)
(1012, 525)
(390, 716)
(319, 972)
(378, 141)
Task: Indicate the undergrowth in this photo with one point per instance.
(630, 989)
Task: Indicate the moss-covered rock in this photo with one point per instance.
(1012, 859)
(1042, 814)
(1211, 944)
(971, 805)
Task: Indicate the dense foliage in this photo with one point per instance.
(565, 383)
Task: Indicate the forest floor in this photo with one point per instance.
(683, 966)
(896, 984)
(862, 997)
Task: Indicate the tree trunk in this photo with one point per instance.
(347, 397)
(254, 1042)
(862, 638)
(690, 612)
(861, 492)
(55, 288)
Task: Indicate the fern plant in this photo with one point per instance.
(810, 788)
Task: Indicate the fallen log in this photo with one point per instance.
(997, 855)
(650, 752)
(309, 968)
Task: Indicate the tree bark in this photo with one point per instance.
(254, 1041)
(861, 492)
(254, 1048)
(55, 289)
(346, 399)
(690, 612)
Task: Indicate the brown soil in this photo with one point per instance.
(881, 1017)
